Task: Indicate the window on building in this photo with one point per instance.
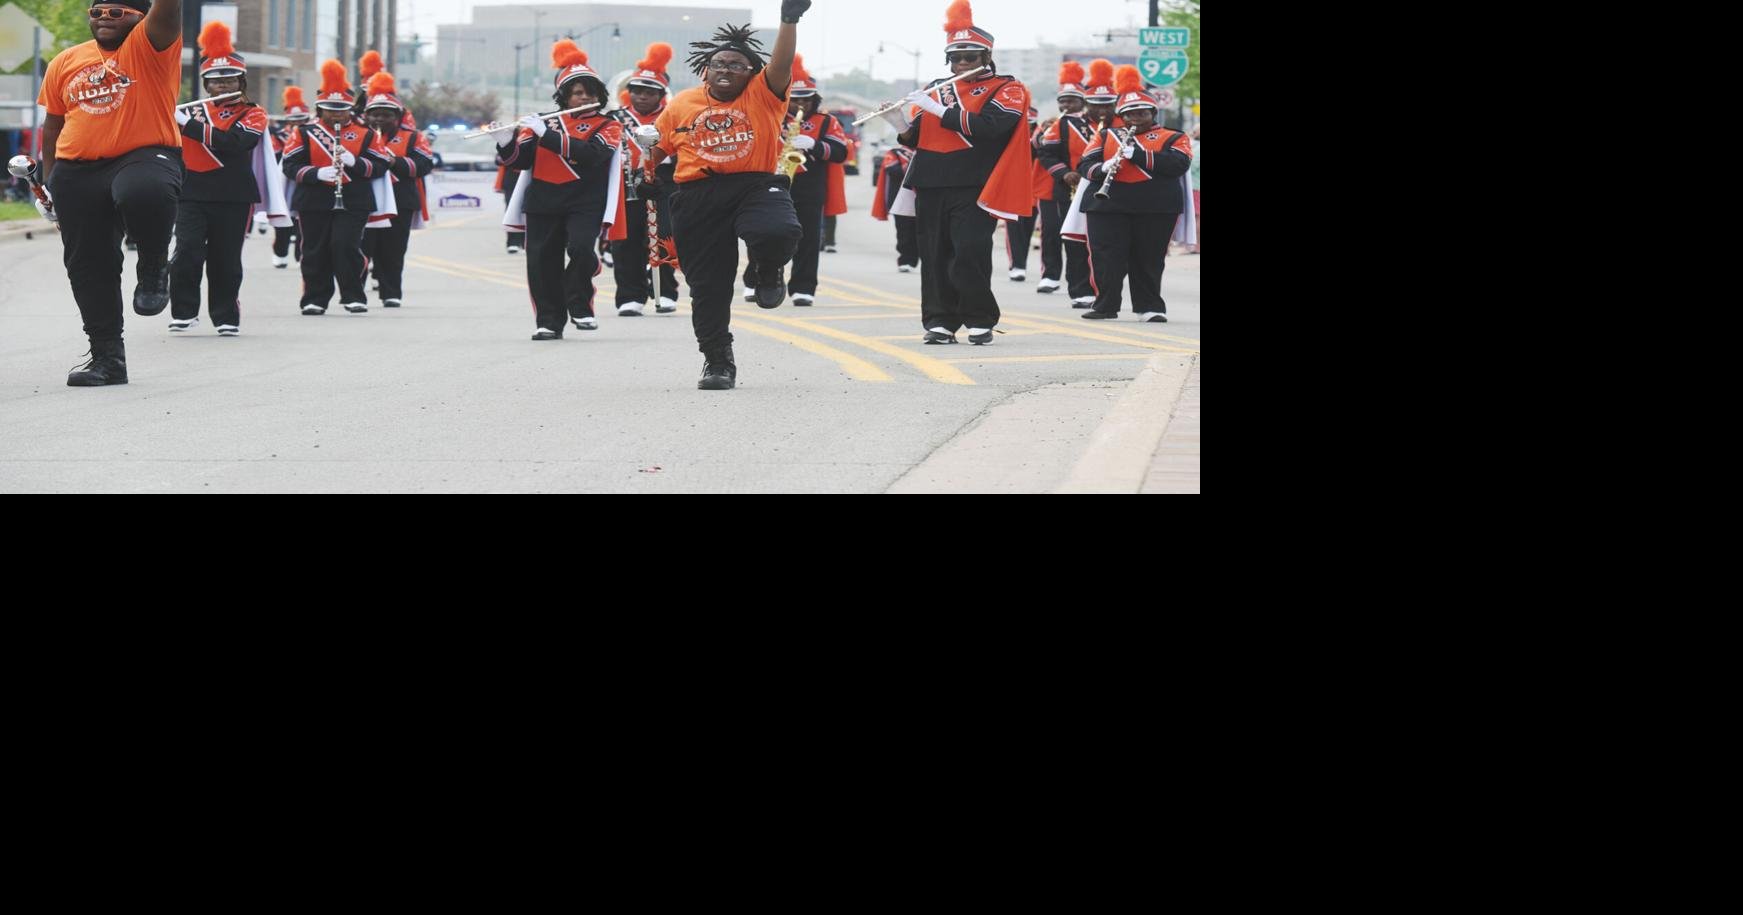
(272, 23)
(290, 24)
(308, 25)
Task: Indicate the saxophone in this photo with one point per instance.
(791, 157)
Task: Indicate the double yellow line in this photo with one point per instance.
(765, 325)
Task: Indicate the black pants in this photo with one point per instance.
(1077, 278)
(99, 201)
(209, 235)
(829, 231)
(515, 239)
(333, 249)
(630, 256)
(561, 292)
(709, 216)
(907, 241)
(1135, 244)
(385, 250)
(1017, 236)
(809, 209)
(1052, 257)
(282, 238)
(956, 259)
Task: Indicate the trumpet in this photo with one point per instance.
(894, 105)
(494, 126)
(202, 101)
(1113, 168)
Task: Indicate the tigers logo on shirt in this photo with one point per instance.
(982, 90)
(97, 89)
(350, 135)
(723, 135)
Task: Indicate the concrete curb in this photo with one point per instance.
(17, 229)
(1120, 451)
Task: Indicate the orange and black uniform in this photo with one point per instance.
(629, 257)
(810, 192)
(219, 193)
(891, 172)
(332, 238)
(957, 155)
(385, 247)
(118, 164)
(570, 170)
(727, 189)
(284, 236)
(1060, 150)
(1129, 231)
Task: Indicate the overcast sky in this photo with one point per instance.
(838, 35)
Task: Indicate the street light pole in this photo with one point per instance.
(517, 49)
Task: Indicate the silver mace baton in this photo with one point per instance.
(25, 167)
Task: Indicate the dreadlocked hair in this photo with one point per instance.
(727, 38)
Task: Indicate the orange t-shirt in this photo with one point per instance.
(724, 138)
(114, 103)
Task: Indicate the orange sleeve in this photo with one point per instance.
(52, 97)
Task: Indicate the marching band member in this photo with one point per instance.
(645, 94)
(1129, 229)
(410, 160)
(227, 177)
(571, 194)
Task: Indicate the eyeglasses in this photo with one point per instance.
(730, 68)
(113, 12)
(973, 58)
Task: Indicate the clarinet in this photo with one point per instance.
(338, 168)
(1113, 168)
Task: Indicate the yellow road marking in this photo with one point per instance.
(934, 369)
(1012, 317)
(855, 367)
(1075, 358)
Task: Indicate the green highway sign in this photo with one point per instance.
(1164, 38)
(1162, 67)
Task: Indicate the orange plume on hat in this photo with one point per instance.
(368, 66)
(799, 71)
(1070, 72)
(565, 54)
(623, 99)
(659, 55)
(958, 17)
(215, 40)
(1127, 79)
(293, 98)
(1101, 72)
(382, 84)
(332, 76)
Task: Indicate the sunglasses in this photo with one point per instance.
(973, 58)
(113, 12)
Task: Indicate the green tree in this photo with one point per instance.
(1179, 13)
(66, 20)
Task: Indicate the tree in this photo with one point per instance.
(1180, 13)
(445, 103)
(66, 20)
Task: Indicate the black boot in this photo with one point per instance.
(108, 365)
(151, 296)
(718, 371)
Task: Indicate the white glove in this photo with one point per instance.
(346, 158)
(535, 124)
(46, 210)
(1130, 151)
(327, 173)
(182, 117)
(803, 143)
(926, 102)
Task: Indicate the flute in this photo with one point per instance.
(498, 125)
(894, 105)
(202, 101)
